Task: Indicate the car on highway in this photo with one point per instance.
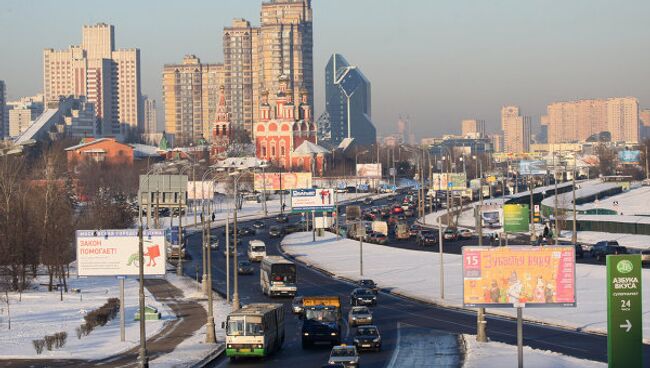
(296, 305)
(362, 296)
(369, 284)
(450, 234)
(246, 231)
(346, 355)
(341, 190)
(580, 253)
(359, 316)
(214, 244)
(367, 338)
(367, 201)
(245, 268)
(281, 218)
(414, 230)
(231, 250)
(259, 224)
(606, 247)
(335, 365)
(276, 232)
(426, 237)
(465, 233)
(377, 238)
(409, 212)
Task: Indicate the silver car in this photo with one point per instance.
(359, 316)
(346, 355)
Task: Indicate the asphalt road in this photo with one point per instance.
(389, 311)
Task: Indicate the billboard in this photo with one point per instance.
(451, 181)
(282, 181)
(322, 200)
(516, 218)
(629, 157)
(371, 171)
(115, 252)
(519, 276)
(204, 190)
(529, 167)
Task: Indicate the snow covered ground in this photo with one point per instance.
(496, 354)
(41, 313)
(194, 348)
(415, 274)
(632, 202)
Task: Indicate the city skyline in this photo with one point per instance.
(482, 65)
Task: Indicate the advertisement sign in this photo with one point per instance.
(475, 184)
(624, 309)
(516, 218)
(324, 222)
(321, 200)
(371, 171)
(629, 157)
(115, 252)
(528, 167)
(519, 276)
(452, 181)
(204, 190)
(286, 181)
(491, 215)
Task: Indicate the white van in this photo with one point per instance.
(256, 250)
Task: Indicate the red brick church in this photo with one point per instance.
(287, 140)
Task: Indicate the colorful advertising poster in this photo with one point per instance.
(115, 252)
(519, 276)
(516, 218)
(321, 200)
(286, 181)
(451, 181)
(372, 171)
(629, 157)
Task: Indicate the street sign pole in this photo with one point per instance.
(520, 338)
(624, 311)
(442, 263)
(122, 312)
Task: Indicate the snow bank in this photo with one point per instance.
(415, 274)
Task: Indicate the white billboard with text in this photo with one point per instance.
(115, 252)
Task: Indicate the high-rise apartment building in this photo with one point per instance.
(348, 103)
(644, 120)
(3, 108)
(240, 58)
(284, 47)
(516, 130)
(150, 115)
(108, 78)
(473, 128)
(190, 99)
(576, 121)
(20, 118)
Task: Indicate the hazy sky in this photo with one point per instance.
(436, 61)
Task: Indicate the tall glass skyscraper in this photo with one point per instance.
(347, 88)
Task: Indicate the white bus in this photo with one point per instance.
(256, 250)
(278, 276)
(255, 330)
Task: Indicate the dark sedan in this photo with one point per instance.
(426, 237)
(245, 268)
(362, 296)
(276, 232)
(282, 218)
(367, 338)
(369, 284)
(259, 224)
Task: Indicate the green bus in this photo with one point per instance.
(255, 330)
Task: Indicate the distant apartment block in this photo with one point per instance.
(644, 119)
(150, 115)
(190, 99)
(473, 128)
(576, 121)
(3, 108)
(20, 118)
(108, 78)
(516, 130)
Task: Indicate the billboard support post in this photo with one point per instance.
(520, 338)
(122, 312)
(360, 255)
(313, 225)
(144, 359)
(442, 263)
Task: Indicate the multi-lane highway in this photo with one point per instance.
(389, 312)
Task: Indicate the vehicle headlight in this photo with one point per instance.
(356, 340)
(229, 346)
(306, 333)
(259, 346)
(377, 339)
(333, 334)
(332, 362)
(354, 318)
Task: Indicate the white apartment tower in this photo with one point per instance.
(516, 130)
(108, 78)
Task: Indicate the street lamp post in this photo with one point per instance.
(574, 234)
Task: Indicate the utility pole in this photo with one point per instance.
(555, 204)
(235, 296)
(179, 265)
(481, 323)
(531, 189)
(210, 336)
(144, 359)
(574, 234)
